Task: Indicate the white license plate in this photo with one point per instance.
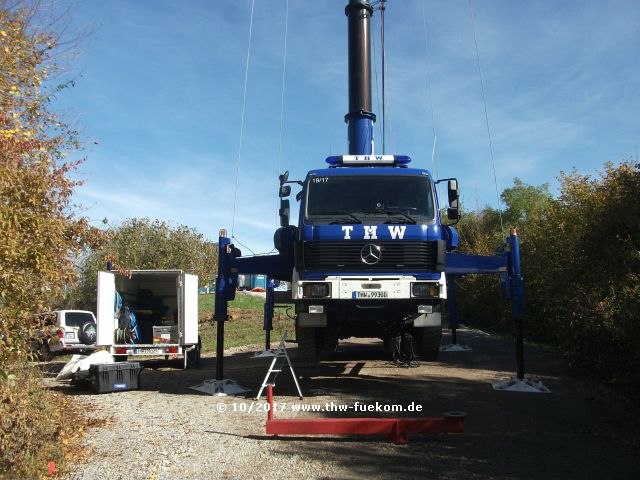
(370, 294)
(69, 335)
(148, 351)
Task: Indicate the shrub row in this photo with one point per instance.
(581, 265)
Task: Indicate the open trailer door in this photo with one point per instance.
(105, 317)
(190, 309)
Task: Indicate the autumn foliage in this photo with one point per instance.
(39, 232)
(40, 237)
(581, 266)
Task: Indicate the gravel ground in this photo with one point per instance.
(166, 430)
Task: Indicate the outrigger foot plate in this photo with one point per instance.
(525, 385)
(220, 387)
(455, 347)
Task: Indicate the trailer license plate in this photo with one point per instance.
(370, 294)
(148, 351)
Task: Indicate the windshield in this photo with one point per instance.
(360, 198)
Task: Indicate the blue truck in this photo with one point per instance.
(371, 255)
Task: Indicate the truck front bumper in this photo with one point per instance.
(364, 299)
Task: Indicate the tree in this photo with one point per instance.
(524, 202)
(480, 233)
(40, 234)
(140, 243)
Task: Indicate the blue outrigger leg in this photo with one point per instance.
(230, 265)
(506, 263)
(268, 313)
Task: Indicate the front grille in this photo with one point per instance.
(345, 256)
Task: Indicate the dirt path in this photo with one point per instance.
(578, 431)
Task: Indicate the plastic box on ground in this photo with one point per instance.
(115, 377)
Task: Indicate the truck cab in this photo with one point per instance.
(370, 254)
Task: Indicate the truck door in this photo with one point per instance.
(105, 320)
(190, 309)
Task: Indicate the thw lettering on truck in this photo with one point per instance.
(370, 232)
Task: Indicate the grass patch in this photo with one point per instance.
(245, 324)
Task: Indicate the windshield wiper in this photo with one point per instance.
(406, 218)
(351, 217)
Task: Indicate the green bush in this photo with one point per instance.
(581, 264)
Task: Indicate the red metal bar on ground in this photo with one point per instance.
(396, 429)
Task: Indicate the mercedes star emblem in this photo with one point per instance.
(371, 254)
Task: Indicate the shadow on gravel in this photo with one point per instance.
(574, 432)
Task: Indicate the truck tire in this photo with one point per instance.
(328, 340)
(308, 345)
(428, 343)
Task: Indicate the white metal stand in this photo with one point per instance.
(276, 366)
(524, 385)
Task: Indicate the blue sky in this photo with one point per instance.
(159, 91)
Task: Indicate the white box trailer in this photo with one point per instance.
(165, 314)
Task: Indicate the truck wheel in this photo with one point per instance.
(428, 343)
(308, 345)
(328, 340)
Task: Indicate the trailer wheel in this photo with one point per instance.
(308, 345)
(428, 343)
(193, 356)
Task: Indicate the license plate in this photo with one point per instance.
(148, 351)
(69, 335)
(370, 294)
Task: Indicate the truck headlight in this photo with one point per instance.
(315, 290)
(424, 290)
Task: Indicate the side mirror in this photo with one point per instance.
(284, 177)
(453, 212)
(285, 191)
(284, 213)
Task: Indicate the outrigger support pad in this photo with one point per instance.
(220, 388)
(523, 385)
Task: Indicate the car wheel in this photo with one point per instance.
(88, 333)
